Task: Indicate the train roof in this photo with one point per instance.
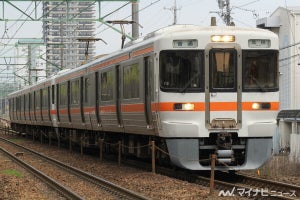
(209, 29)
(30, 87)
(149, 38)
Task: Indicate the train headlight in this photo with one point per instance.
(255, 106)
(184, 106)
(261, 106)
(222, 38)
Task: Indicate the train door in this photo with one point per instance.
(35, 105)
(109, 105)
(223, 86)
(24, 107)
(49, 103)
(118, 95)
(69, 101)
(11, 108)
(97, 96)
(82, 100)
(136, 106)
(53, 106)
(27, 118)
(43, 101)
(91, 101)
(57, 102)
(17, 108)
(90, 98)
(149, 92)
(39, 107)
(29, 106)
(31, 109)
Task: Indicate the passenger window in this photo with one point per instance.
(86, 89)
(45, 98)
(63, 89)
(53, 94)
(131, 81)
(37, 99)
(75, 92)
(107, 85)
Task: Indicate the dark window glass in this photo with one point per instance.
(222, 70)
(181, 70)
(63, 90)
(107, 85)
(37, 99)
(131, 81)
(86, 89)
(75, 92)
(260, 70)
(45, 98)
(32, 103)
(53, 94)
(27, 99)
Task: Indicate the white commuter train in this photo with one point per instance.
(195, 90)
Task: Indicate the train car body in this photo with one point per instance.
(197, 90)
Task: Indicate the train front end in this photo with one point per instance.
(218, 94)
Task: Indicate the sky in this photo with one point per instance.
(154, 14)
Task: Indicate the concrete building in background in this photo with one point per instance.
(64, 23)
(286, 23)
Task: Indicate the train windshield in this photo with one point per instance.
(181, 70)
(260, 71)
(223, 70)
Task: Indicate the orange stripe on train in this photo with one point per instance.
(169, 106)
(215, 106)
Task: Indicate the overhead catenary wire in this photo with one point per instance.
(8, 28)
(23, 69)
(124, 18)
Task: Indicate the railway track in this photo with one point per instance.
(232, 185)
(237, 185)
(67, 173)
(64, 191)
(275, 187)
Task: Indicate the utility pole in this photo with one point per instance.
(228, 13)
(32, 45)
(61, 44)
(29, 65)
(225, 14)
(174, 9)
(135, 18)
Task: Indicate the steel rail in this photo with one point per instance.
(66, 192)
(271, 184)
(246, 182)
(221, 184)
(104, 184)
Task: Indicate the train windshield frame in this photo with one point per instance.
(181, 70)
(260, 71)
(223, 70)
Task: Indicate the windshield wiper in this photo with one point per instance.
(182, 90)
(259, 85)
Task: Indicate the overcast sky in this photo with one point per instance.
(154, 14)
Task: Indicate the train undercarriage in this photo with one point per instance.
(138, 146)
(233, 152)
